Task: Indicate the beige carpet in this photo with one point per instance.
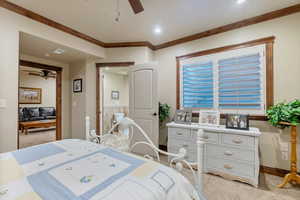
(218, 188)
(36, 137)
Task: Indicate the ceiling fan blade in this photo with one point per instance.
(136, 5)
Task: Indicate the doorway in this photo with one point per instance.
(112, 95)
(39, 119)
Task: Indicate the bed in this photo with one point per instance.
(78, 169)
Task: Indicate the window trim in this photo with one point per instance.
(269, 43)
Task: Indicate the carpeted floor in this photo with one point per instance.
(218, 188)
(36, 137)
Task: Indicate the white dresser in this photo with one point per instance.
(230, 153)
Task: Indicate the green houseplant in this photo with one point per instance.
(164, 112)
(284, 112)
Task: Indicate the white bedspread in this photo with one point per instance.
(76, 170)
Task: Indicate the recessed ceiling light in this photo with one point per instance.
(59, 51)
(157, 30)
(240, 1)
(106, 68)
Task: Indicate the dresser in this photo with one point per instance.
(232, 154)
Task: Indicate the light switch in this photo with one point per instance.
(2, 103)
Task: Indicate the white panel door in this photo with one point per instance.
(143, 104)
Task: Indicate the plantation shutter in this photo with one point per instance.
(197, 85)
(240, 82)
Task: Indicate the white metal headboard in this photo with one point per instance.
(178, 159)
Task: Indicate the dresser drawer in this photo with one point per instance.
(230, 167)
(208, 136)
(176, 144)
(238, 141)
(179, 133)
(230, 153)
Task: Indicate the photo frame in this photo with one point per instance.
(30, 95)
(237, 121)
(183, 116)
(115, 95)
(209, 118)
(77, 85)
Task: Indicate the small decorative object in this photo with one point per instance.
(86, 179)
(285, 115)
(77, 85)
(30, 95)
(209, 118)
(236, 121)
(115, 95)
(183, 116)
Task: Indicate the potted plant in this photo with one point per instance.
(283, 115)
(164, 112)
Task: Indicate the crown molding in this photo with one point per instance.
(247, 22)
(130, 44)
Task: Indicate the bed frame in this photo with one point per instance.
(124, 143)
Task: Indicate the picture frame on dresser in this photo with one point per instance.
(237, 121)
(183, 116)
(209, 118)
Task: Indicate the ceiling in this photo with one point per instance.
(44, 49)
(177, 18)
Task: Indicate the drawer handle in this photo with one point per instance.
(179, 133)
(227, 166)
(205, 137)
(237, 141)
(228, 153)
(185, 145)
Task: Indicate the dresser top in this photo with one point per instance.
(221, 128)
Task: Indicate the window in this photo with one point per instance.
(197, 85)
(232, 81)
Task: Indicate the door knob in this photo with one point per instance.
(155, 114)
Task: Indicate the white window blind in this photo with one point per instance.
(198, 85)
(231, 81)
(240, 84)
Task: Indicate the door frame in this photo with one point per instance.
(98, 82)
(58, 71)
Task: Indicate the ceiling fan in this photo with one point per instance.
(43, 73)
(136, 5)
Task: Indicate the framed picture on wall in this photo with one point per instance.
(77, 85)
(30, 95)
(115, 95)
(209, 118)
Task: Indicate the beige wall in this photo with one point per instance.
(115, 82)
(286, 72)
(11, 24)
(66, 109)
(48, 87)
(78, 112)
